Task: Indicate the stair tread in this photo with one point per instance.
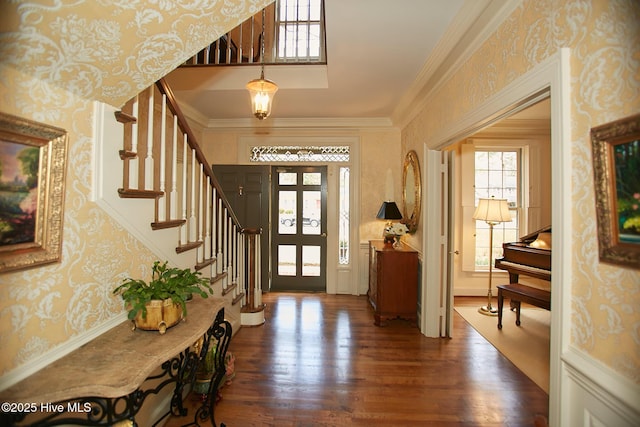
(131, 193)
(229, 288)
(160, 225)
(199, 266)
(188, 246)
(238, 298)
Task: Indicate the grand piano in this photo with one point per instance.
(530, 256)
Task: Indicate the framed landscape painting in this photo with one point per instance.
(32, 177)
(616, 161)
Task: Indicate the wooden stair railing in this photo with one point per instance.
(241, 45)
(163, 161)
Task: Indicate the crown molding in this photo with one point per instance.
(199, 120)
(306, 123)
(463, 38)
(459, 26)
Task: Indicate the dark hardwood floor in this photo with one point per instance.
(319, 361)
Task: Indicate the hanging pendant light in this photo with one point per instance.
(261, 90)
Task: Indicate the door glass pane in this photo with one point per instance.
(311, 212)
(287, 260)
(287, 212)
(311, 260)
(313, 178)
(287, 178)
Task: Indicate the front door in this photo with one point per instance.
(299, 228)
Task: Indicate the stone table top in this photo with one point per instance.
(115, 363)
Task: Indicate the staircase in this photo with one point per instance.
(169, 198)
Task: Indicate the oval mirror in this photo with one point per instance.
(411, 191)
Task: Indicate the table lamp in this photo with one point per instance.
(389, 211)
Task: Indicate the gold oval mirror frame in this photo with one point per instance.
(411, 191)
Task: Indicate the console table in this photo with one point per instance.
(99, 384)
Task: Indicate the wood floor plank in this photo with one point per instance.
(319, 361)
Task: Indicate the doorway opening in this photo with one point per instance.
(510, 160)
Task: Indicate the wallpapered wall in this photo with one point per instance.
(604, 37)
(57, 59)
(111, 50)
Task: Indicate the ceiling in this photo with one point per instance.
(380, 56)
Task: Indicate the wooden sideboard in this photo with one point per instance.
(393, 282)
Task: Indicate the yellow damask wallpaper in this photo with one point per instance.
(43, 307)
(111, 50)
(604, 38)
(56, 59)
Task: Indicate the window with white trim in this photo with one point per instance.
(497, 174)
(299, 30)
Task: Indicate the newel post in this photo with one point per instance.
(253, 313)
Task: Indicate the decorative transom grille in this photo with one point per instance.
(300, 154)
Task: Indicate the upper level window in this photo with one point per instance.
(300, 32)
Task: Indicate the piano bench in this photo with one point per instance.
(518, 293)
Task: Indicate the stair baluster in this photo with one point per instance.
(133, 165)
(187, 195)
(148, 160)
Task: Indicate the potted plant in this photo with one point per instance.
(162, 302)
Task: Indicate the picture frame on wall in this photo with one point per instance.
(33, 160)
(616, 164)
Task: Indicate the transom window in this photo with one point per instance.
(268, 153)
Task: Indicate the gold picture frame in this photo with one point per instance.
(32, 185)
(616, 164)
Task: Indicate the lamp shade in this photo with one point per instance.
(492, 210)
(389, 210)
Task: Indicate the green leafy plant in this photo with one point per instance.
(166, 282)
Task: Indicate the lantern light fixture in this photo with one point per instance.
(261, 90)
